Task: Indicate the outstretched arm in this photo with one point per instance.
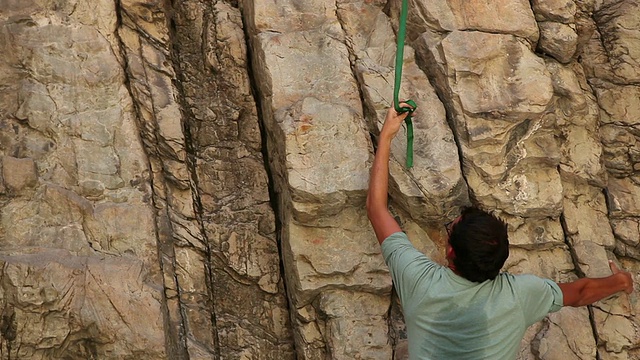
(383, 223)
(586, 291)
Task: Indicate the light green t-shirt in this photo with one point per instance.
(450, 317)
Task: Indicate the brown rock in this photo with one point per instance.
(558, 40)
(562, 11)
(19, 174)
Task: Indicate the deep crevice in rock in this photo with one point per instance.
(187, 117)
(580, 274)
(274, 200)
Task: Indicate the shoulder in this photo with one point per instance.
(396, 236)
(530, 279)
(532, 285)
(397, 239)
(521, 278)
(398, 251)
(526, 282)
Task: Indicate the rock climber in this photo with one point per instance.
(468, 309)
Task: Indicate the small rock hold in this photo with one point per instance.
(19, 174)
(558, 40)
(92, 188)
(563, 11)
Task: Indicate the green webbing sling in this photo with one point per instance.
(402, 30)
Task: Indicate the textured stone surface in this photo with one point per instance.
(477, 61)
(70, 306)
(558, 40)
(78, 231)
(613, 51)
(19, 174)
(580, 344)
(314, 118)
(563, 11)
(321, 174)
(186, 180)
(516, 17)
(434, 185)
(230, 285)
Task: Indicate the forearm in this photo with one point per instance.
(383, 223)
(379, 177)
(590, 290)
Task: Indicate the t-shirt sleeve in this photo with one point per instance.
(538, 297)
(408, 266)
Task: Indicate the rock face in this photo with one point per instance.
(187, 179)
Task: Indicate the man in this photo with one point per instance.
(468, 309)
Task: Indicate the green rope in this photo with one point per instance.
(402, 30)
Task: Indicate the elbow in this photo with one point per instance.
(576, 303)
(374, 207)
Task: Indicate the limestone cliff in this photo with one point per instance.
(186, 179)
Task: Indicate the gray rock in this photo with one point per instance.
(81, 306)
(476, 64)
(516, 17)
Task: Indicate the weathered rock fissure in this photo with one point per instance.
(233, 188)
(188, 118)
(580, 274)
(174, 338)
(274, 199)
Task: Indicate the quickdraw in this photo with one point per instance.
(402, 30)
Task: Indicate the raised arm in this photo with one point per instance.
(586, 291)
(383, 223)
